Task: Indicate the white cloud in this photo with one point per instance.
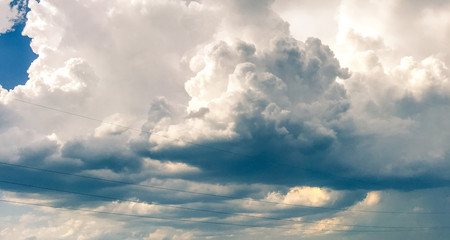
(49, 223)
(10, 14)
(112, 125)
(325, 227)
(95, 58)
(397, 23)
(308, 196)
(167, 168)
(230, 102)
(168, 233)
(238, 82)
(371, 199)
(310, 18)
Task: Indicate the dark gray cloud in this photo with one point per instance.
(102, 154)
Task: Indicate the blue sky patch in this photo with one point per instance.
(15, 57)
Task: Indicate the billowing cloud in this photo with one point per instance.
(308, 196)
(225, 120)
(280, 105)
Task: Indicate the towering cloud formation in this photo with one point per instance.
(230, 118)
(277, 106)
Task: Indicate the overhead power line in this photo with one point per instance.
(205, 146)
(139, 216)
(205, 222)
(213, 195)
(134, 129)
(216, 212)
(382, 228)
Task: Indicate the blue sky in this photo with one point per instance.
(231, 119)
(16, 52)
(16, 57)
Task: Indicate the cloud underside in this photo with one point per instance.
(223, 98)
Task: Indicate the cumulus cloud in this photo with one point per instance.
(112, 125)
(395, 92)
(283, 97)
(308, 196)
(225, 105)
(325, 26)
(389, 18)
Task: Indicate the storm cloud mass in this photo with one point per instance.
(230, 119)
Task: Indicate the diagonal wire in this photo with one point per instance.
(178, 139)
(215, 195)
(134, 129)
(194, 143)
(203, 221)
(211, 211)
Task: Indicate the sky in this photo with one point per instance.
(16, 54)
(235, 119)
